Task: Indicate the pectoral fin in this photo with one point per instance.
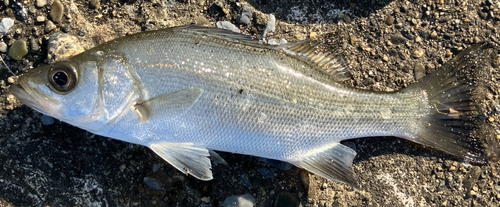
(186, 157)
(168, 105)
(334, 163)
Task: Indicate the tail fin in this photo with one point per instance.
(454, 92)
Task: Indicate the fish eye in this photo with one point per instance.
(63, 77)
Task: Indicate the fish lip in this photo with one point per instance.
(30, 98)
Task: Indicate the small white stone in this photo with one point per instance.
(41, 3)
(5, 25)
(3, 47)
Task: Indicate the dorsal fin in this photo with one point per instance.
(331, 62)
(233, 36)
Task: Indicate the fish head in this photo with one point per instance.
(67, 90)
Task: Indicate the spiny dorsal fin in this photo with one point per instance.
(331, 62)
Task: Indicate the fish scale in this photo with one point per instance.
(185, 90)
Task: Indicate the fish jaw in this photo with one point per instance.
(26, 90)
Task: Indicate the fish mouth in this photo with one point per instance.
(33, 99)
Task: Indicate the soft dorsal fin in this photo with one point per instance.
(330, 62)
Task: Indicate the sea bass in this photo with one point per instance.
(185, 91)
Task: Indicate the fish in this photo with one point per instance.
(188, 91)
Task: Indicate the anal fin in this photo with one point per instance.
(186, 157)
(334, 163)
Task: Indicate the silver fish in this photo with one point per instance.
(184, 91)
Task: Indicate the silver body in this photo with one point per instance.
(253, 102)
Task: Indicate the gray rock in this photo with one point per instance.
(282, 41)
(156, 167)
(34, 45)
(95, 4)
(57, 11)
(245, 200)
(47, 120)
(273, 42)
(41, 3)
(20, 9)
(271, 25)
(5, 25)
(18, 50)
(227, 25)
(419, 71)
(246, 15)
(153, 183)
(3, 47)
(266, 172)
(62, 46)
(49, 26)
(398, 39)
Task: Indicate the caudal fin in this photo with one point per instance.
(454, 92)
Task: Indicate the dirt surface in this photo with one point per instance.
(388, 43)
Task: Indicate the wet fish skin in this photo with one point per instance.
(184, 90)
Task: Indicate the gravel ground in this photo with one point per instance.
(390, 44)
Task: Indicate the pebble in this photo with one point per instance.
(156, 167)
(227, 25)
(246, 15)
(434, 34)
(273, 42)
(245, 200)
(5, 25)
(11, 99)
(346, 18)
(449, 54)
(34, 45)
(418, 53)
(266, 172)
(497, 188)
(3, 47)
(66, 28)
(205, 199)
(57, 11)
(49, 26)
(41, 3)
(95, 4)
(385, 58)
(244, 179)
(82, 32)
(418, 39)
(47, 120)
(286, 199)
(40, 19)
(389, 20)
(312, 35)
(62, 46)
(11, 79)
(419, 71)
(353, 40)
(153, 183)
(398, 39)
(282, 41)
(18, 50)
(271, 25)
